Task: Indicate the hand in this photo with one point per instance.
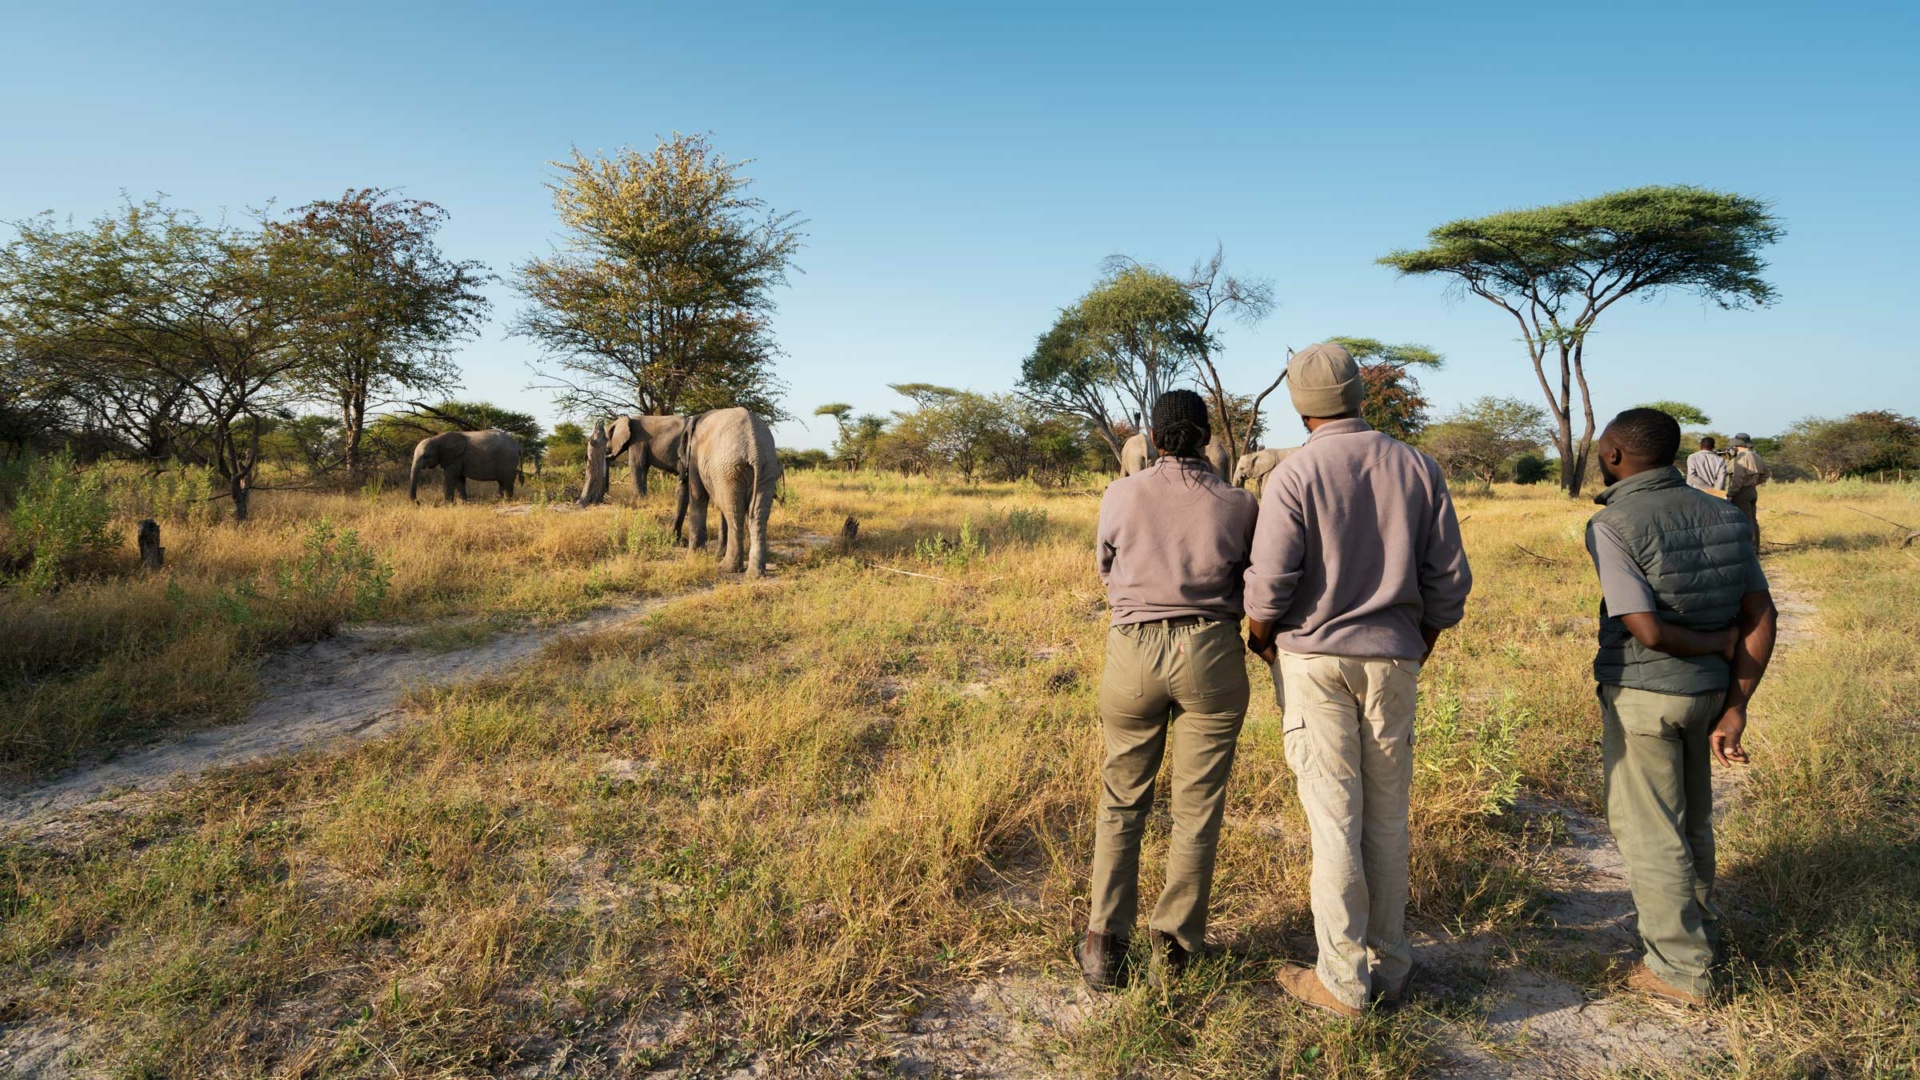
(1724, 739)
(1732, 647)
(1265, 650)
(1430, 636)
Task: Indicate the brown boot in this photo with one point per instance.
(1304, 984)
(1168, 960)
(1643, 979)
(1103, 961)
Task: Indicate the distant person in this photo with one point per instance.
(1706, 469)
(1172, 546)
(1745, 473)
(1357, 568)
(1686, 630)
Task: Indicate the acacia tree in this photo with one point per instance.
(1556, 269)
(661, 294)
(387, 305)
(155, 290)
(1394, 403)
(1131, 337)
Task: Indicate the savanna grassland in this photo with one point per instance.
(781, 824)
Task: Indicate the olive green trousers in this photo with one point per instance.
(1166, 691)
(1348, 726)
(1660, 809)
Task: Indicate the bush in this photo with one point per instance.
(59, 523)
(1530, 469)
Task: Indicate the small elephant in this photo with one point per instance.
(727, 457)
(1257, 465)
(1134, 457)
(650, 442)
(466, 455)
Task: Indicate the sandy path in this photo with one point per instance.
(345, 687)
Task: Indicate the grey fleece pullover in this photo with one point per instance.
(1173, 542)
(1357, 548)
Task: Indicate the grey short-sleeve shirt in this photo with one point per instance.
(1624, 586)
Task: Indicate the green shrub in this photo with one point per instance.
(336, 578)
(1026, 526)
(1530, 469)
(59, 523)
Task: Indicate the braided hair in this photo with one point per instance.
(1180, 427)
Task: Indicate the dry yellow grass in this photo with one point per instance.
(773, 817)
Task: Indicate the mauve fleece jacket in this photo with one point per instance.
(1357, 548)
(1173, 542)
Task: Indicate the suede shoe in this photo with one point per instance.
(1643, 979)
(1167, 961)
(1304, 984)
(1103, 961)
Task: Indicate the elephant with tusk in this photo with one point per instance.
(466, 455)
(1257, 465)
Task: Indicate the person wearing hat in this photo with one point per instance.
(1357, 568)
(1172, 546)
(1745, 473)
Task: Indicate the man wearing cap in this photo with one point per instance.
(1357, 567)
(1172, 546)
(1745, 473)
(1686, 630)
(1706, 469)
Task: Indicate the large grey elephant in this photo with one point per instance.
(1134, 457)
(466, 455)
(727, 457)
(650, 442)
(1257, 465)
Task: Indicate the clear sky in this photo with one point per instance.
(964, 171)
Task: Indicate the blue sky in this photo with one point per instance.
(964, 172)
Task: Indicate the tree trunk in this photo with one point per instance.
(152, 555)
(240, 487)
(594, 491)
(355, 416)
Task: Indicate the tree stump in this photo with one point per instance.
(151, 553)
(594, 491)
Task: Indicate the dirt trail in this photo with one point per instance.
(345, 687)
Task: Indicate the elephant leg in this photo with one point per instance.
(697, 518)
(757, 514)
(461, 486)
(449, 486)
(506, 486)
(736, 519)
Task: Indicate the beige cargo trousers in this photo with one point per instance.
(1348, 729)
(1174, 689)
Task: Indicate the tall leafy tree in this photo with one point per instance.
(156, 291)
(1556, 269)
(387, 306)
(1394, 402)
(661, 295)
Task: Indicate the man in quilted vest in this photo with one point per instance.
(1686, 630)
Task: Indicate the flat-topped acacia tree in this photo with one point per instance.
(1555, 269)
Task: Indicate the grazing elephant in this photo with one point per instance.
(726, 456)
(650, 442)
(1134, 457)
(466, 455)
(1257, 465)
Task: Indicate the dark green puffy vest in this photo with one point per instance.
(1694, 549)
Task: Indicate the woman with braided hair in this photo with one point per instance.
(1173, 545)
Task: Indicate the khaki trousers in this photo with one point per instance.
(1183, 689)
(1660, 810)
(1348, 728)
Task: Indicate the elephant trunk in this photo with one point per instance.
(413, 479)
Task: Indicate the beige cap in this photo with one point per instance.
(1324, 381)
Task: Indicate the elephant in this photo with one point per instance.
(650, 442)
(466, 455)
(1134, 457)
(726, 456)
(1257, 465)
